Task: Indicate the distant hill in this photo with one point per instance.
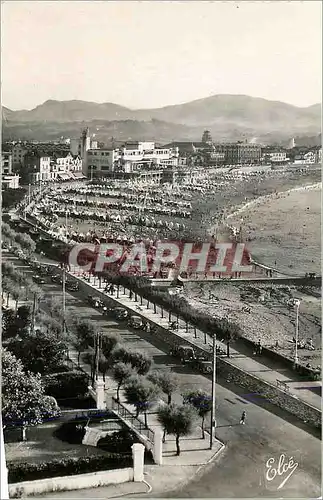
(228, 117)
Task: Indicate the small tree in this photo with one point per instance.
(142, 394)
(109, 342)
(120, 354)
(140, 361)
(202, 402)
(177, 420)
(121, 373)
(167, 381)
(23, 399)
(84, 332)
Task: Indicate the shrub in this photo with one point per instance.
(118, 442)
(66, 385)
(72, 432)
(18, 472)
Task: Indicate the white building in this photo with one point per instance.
(278, 157)
(65, 165)
(310, 158)
(10, 181)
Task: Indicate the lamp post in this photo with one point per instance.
(213, 421)
(64, 297)
(296, 305)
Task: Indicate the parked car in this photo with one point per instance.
(136, 322)
(39, 280)
(56, 278)
(72, 287)
(95, 301)
(120, 313)
(187, 355)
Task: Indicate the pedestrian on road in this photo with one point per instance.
(243, 418)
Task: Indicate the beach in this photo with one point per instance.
(282, 230)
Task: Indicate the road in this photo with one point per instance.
(240, 471)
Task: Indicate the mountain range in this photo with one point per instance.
(228, 117)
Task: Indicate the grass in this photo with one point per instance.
(41, 445)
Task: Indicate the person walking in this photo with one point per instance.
(243, 418)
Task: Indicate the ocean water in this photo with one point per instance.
(285, 230)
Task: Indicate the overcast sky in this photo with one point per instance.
(150, 54)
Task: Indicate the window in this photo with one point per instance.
(105, 167)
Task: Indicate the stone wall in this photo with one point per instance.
(67, 483)
(241, 378)
(274, 395)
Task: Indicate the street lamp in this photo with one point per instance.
(297, 303)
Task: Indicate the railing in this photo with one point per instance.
(135, 423)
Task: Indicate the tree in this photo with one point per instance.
(66, 385)
(177, 420)
(14, 324)
(84, 332)
(202, 402)
(167, 381)
(9, 328)
(121, 373)
(120, 354)
(109, 342)
(142, 394)
(39, 351)
(140, 361)
(23, 399)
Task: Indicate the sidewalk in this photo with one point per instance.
(296, 386)
(194, 450)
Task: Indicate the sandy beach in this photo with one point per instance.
(283, 230)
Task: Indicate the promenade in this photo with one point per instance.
(266, 370)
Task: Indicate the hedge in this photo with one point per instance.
(18, 472)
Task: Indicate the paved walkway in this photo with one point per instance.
(194, 450)
(297, 387)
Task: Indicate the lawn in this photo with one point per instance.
(41, 445)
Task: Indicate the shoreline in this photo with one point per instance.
(268, 197)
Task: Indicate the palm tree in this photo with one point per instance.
(178, 420)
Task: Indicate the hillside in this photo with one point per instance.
(227, 116)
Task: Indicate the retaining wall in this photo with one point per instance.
(68, 483)
(253, 384)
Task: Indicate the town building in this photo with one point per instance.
(240, 153)
(6, 162)
(64, 165)
(18, 153)
(101, 161)
(275, 157)
(37, 167)
(130, 158)
(207, 138)
(8, 179)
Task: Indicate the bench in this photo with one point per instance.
(282, 385)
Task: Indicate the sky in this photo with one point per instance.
(151, 54)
